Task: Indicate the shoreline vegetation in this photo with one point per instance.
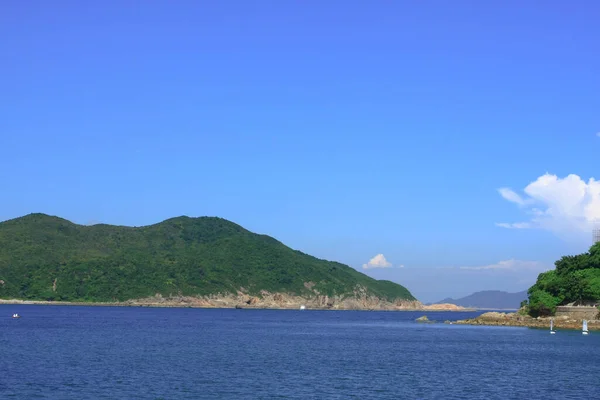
(575, 281)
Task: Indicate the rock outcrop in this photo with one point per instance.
(517, 319)
(444, 307)
(359, 300)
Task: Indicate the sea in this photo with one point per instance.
(77, 352)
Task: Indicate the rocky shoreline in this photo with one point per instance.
(266, 300)
(517, 319)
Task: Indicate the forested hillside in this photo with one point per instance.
(576, 279)
(49, 258)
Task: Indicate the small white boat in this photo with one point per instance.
(303, 307)
(16, 316)
(552, 331)
(584, 329)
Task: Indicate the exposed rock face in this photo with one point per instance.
(444, 307)
(265, 300)
(422, 319)
(359, 300)
(252, 301)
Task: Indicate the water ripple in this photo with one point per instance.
(144, 353)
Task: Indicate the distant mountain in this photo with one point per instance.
(49, 258)
(493, 299)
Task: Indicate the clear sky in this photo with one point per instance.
(457, 139)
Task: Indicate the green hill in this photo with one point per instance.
(49, 258)
(576, 279)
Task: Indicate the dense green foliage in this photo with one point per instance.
(179, 256)
(576, 279)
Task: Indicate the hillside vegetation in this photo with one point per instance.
(49, 258)
(576, 279)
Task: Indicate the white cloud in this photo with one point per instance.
(511, 196)
(378, 261)
(515, 225)
(564, 205)
(512, 265)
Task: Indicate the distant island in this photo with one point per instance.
(489, 299)
(204, 262)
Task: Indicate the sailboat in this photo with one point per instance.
(552, 331)
(584, 329)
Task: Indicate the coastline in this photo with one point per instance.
(228, 302)
(492, 318)
(525, 321)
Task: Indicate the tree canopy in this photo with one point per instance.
(576, 279)
(49, 258)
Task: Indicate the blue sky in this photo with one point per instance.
(345, 129)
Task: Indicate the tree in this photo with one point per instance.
(542, 303)
(577, 288)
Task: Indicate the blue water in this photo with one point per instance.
(56, 352)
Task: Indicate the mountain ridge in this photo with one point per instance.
(489, 299)
(45, 257)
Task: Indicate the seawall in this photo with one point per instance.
(577, 312)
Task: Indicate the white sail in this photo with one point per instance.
(585, 328)
(551, 324)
